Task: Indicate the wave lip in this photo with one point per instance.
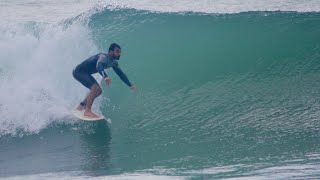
(216, 7)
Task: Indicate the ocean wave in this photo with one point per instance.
(216, 7)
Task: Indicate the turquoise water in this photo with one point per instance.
(222, 96)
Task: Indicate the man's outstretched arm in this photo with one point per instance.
(124, 78)
(121, 74)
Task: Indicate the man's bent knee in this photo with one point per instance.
(98, 92)
(96, 89)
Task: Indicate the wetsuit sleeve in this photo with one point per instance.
(121, 74)
(101, 63)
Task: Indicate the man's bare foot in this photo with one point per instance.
(89, 113)
(80, 108)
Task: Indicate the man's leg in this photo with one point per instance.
(88, 81)
(83, 104)
(94, 92)
(84, 79)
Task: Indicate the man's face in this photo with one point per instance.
(117, 53)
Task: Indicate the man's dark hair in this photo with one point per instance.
(113, 46)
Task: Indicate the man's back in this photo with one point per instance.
(89, 65)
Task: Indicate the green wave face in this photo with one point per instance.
(214, 88)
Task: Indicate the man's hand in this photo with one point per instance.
(134, 88)
(107, 80)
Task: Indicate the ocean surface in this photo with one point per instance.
(229, 89)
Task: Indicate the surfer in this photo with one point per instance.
(97, 63)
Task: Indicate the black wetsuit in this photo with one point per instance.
(97, 63)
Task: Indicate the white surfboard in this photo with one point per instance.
(79, 114)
